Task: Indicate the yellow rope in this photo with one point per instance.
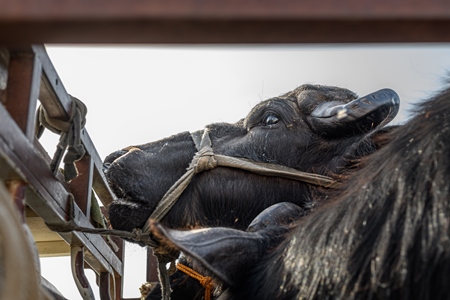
(205, 281)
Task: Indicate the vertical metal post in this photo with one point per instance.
(22, 91)
(81, 187)
(116, 278)
(107, 286)
(152, 266)
(77, 263)
(119, 279)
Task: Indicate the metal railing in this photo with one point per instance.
(31, 77)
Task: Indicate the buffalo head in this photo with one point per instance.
(313, 128)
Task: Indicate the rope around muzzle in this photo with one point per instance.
(205, 159)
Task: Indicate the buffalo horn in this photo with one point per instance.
(358, 116)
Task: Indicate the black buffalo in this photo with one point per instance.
(316, 129)
(384, 234)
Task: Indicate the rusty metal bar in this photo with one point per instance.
(118, 278)
(223, 21)
(106, 286)
(221, 9)
(77, 264)
(81, 186)
(24, 75)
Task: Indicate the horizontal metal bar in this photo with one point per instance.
(221, 9)
(224, 21)
(227, 32)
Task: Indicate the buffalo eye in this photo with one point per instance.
(271, 120)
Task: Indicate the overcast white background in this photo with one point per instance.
(139, 94)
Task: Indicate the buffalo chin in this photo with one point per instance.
(127, 215)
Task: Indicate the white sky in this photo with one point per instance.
(143, 93)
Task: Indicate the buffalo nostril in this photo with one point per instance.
(105, 167)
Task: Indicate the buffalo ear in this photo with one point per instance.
(228, 254)
(225, 253)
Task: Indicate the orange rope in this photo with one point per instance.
(205, 281)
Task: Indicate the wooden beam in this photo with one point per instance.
(223, 21)
(40, 231)
(53, 248)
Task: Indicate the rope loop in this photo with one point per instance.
(204, 159)
(70, 136)
(205, 281)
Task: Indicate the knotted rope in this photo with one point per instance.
(203, 160)
(205, 281)
(69, 132)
